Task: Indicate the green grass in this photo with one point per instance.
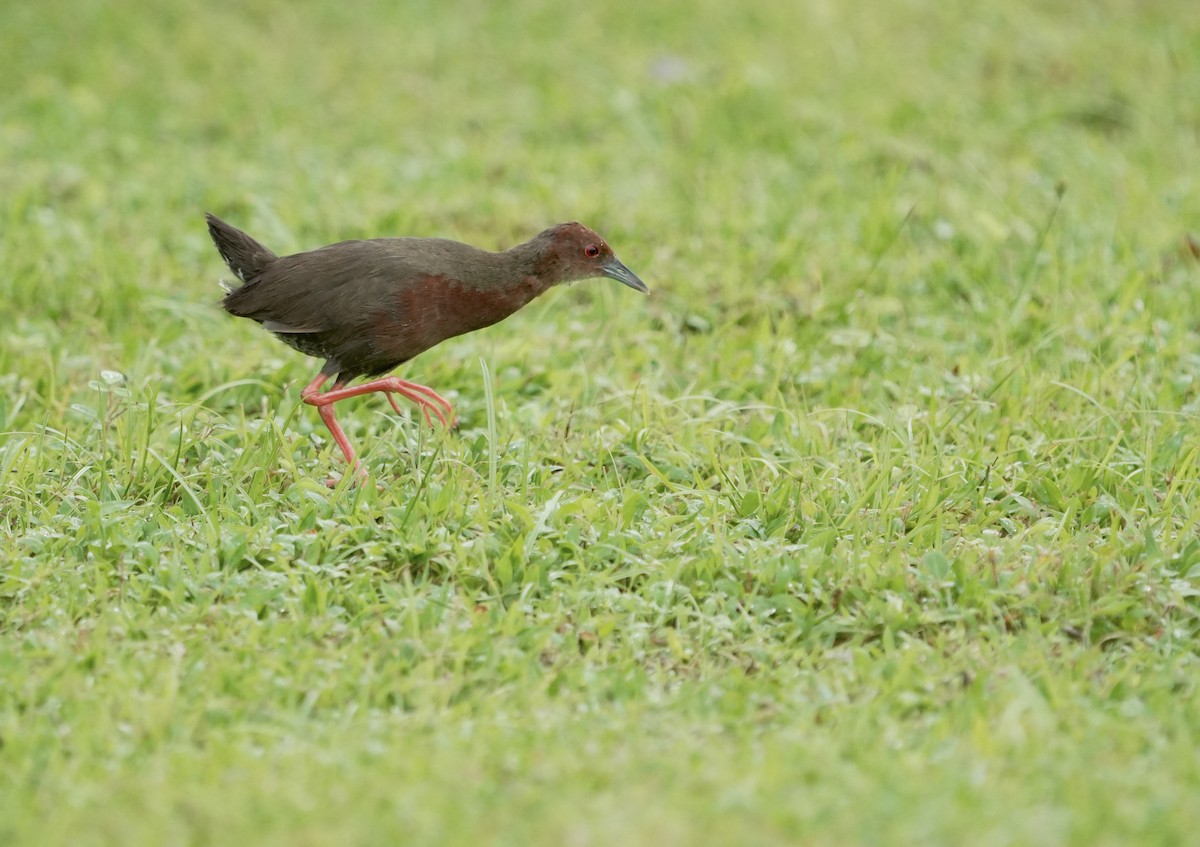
(876, 523)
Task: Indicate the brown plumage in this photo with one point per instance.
(366, 307)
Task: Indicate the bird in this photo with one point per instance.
(368, 306)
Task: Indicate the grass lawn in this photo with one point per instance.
(877, 523)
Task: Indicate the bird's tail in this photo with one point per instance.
(245, 256)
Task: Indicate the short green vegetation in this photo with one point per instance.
(877, 523)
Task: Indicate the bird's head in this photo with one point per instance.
(571, 251)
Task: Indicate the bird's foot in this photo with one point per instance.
(425, 397)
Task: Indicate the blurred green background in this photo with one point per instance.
(875, 523)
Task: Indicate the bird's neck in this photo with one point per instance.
(527, 266)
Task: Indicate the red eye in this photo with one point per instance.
(591, 251)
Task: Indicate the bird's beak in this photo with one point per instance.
(620, 273)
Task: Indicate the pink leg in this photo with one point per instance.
(423, 396)
(310, 395)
